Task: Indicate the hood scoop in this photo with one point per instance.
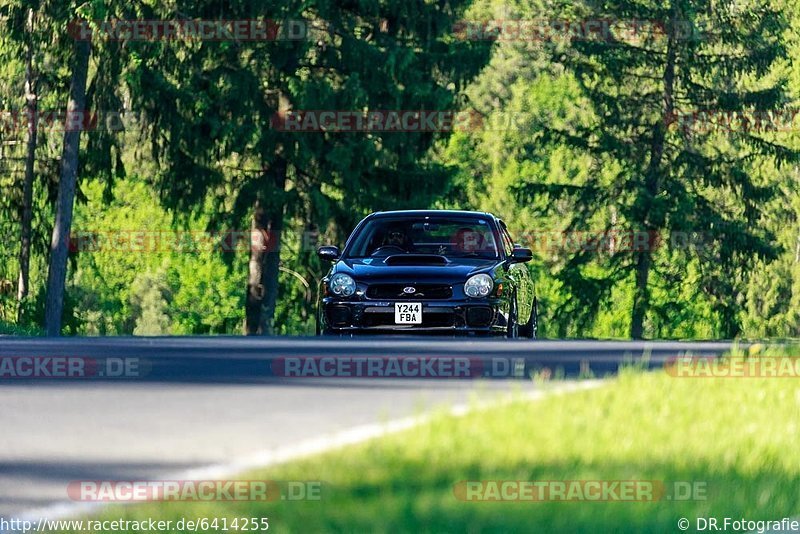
(416, 259)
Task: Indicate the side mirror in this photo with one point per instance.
(521, 255)
(328, 253)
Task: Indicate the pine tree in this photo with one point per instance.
(396, 55)
(646, 79)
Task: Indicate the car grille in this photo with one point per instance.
(339, 315)
(423, 292)
(479, 316)
(429, 320)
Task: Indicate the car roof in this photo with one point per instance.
(431, 213)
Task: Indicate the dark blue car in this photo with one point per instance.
(431, 271)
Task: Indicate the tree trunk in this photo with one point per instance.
(57, 273)
(31, 107)
(641, 296)
(265, 253)
(644, 260)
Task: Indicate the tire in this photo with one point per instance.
(513, 329)
(529, 329)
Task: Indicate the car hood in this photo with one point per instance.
(377, 271)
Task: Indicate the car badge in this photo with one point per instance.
(368, 261)
(409, 290)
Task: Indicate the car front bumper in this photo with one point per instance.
(451, 316)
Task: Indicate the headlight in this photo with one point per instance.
(479, 285)
(342, 285)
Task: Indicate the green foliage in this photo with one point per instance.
(206, 297)
(12, 329)
(583, 161)
(149, 304)
(180, 286)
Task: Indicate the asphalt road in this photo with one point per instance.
(189, 403)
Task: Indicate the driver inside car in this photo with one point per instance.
(395, 240)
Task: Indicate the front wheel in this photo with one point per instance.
(529, 329)
(512, 330)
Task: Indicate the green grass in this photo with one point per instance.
(737, 436)
(11, 329)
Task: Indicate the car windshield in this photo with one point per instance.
(450, 237)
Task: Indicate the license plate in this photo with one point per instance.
(408, 313)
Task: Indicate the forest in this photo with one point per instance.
(169, 168)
